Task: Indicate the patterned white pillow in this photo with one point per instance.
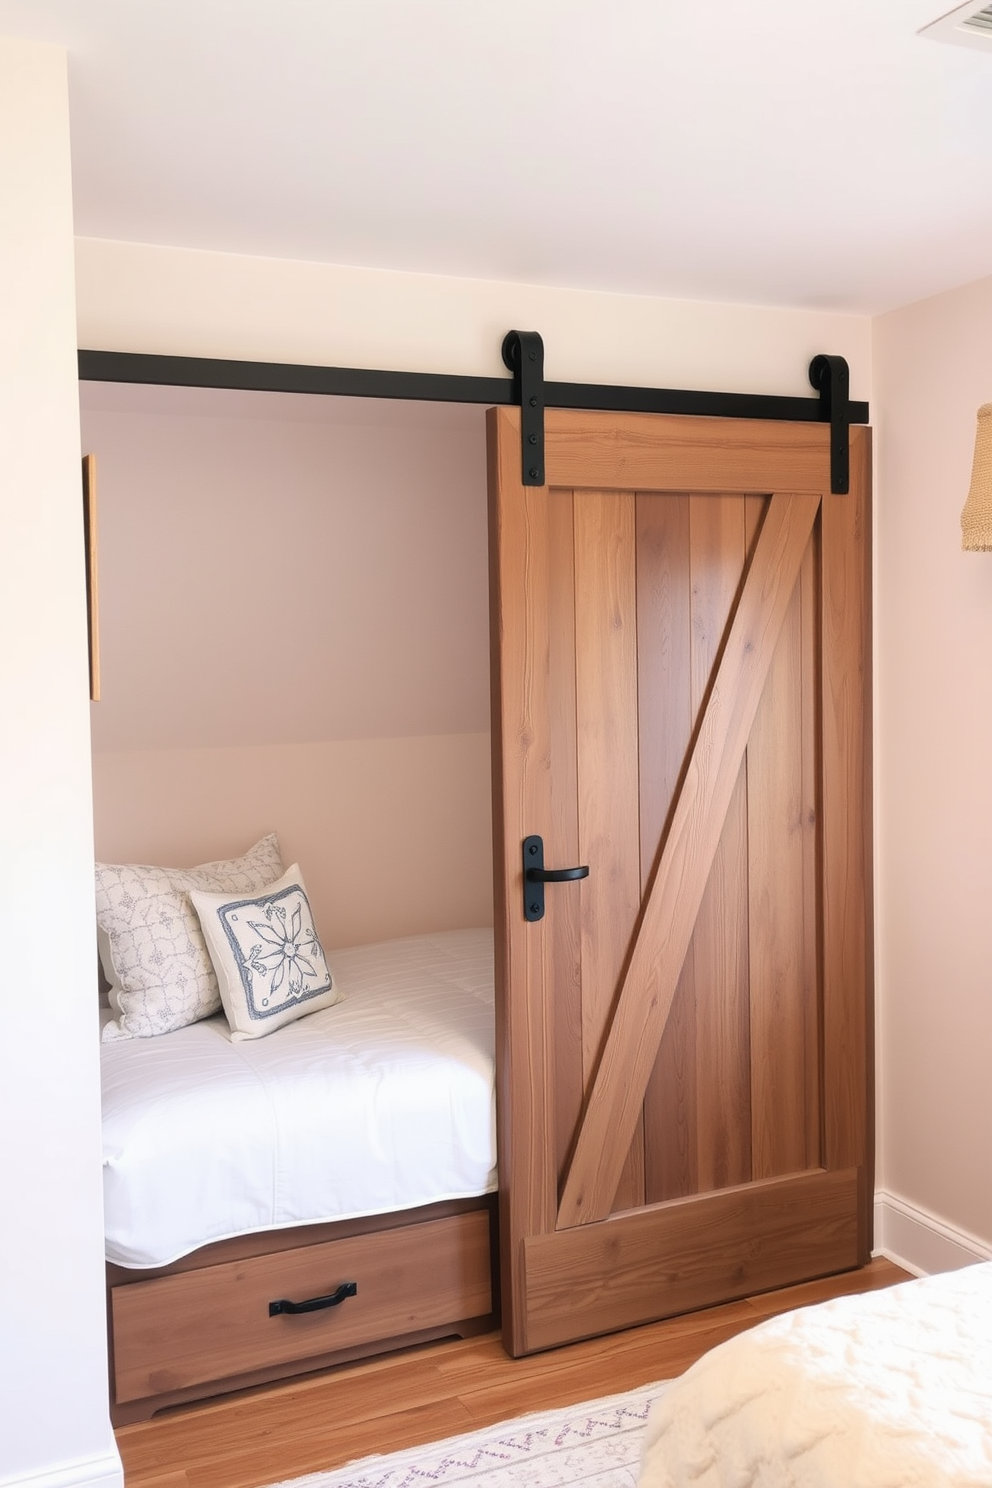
(267, 955)
(160, 973)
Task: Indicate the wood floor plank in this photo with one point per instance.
(569, 1385)
(275, 1432)
(266, 1464)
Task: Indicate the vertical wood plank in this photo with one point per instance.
(607, 747)
(718, 953)
(809, 593)
(520, 546)
(563, 922)
(777, 833)
(846, 681)
(665, 721)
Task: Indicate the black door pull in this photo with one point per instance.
(555, 875)
(536, 876)
(315, 1304)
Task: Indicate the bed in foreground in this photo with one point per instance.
(890, 1389)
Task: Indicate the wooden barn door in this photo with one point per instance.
(681, 702)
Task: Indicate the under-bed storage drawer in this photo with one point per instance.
(213, 1323)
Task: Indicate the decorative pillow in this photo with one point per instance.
(267, 955)
(152, 948)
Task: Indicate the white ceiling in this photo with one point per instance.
(776, 152)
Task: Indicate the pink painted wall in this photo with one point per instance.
(933, 367)
(293, 613)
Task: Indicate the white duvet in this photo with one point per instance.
(891, 1389)
(383, 1102)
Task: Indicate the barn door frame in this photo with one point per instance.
(564, 1254)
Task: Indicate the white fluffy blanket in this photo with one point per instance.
(890, 1389)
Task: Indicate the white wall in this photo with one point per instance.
(134, 297)
(933, 367)
(53, 1364)
(294, 636)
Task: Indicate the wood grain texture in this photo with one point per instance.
(689, 1253)
(665, 721)
(203, 1325)
(563, 927)
(520, 626)
(846, 826)
(718, 950)
(812, 813)
(648, 452)
(718, 1047)
(130, 1412)
(269, 1242)
(777, 911)
(319, 1423)
(680, 879)
(606, 743)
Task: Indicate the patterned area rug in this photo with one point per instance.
(593, 1445)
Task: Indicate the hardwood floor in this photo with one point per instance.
(283, 1431)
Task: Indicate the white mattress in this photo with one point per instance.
(892, 1389)
(383, 1102)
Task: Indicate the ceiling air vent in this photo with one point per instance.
(968, 25)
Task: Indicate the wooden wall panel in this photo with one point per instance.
(606, 740)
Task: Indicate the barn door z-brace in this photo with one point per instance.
(523, 355)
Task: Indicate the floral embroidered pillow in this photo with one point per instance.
(161, 977)
(267, 955)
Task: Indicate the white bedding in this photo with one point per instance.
(383, 1102)
(891, 1389)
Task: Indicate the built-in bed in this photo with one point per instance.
(280, 1204)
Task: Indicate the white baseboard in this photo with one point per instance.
(921, 1242)
(91, 1472)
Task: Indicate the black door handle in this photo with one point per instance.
(536, 876)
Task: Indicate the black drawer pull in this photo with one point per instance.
(315, 1304)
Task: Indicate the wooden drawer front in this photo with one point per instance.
(209, 1324)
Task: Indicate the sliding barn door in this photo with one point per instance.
(681, 704)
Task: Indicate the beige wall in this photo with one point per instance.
(404, 511)
(136, 297)
(392, 835)
(933, 367)
(55, 1427)
(294, 637)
